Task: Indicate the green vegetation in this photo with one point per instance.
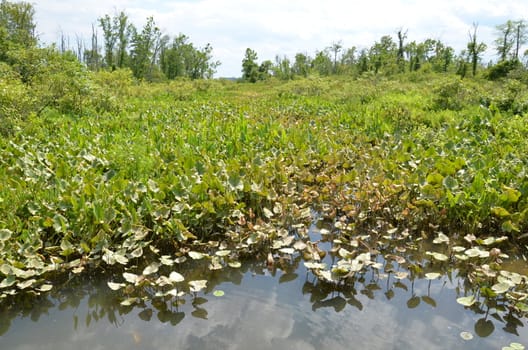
(99, 170)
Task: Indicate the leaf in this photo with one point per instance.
(115, 286)
(289, 251)
(130, 277)
(401, 275)
(442, 238)
(500, 288)
(234, 264)
(45, 288)
(152, 268)
(195, 255)
(438, 256)
(5, 234)
(175, 277)
(222, 253)
(466, 301)
(8, 281)
(466, 335)
(197, 285)
(218, 293)
(129, 301)
(267, 213)
(432, 275)
(138, 252)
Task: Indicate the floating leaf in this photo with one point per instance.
(195, 255)
(197, 285)
(8, 281)
(223, 253)
(267, 213)
(442, 238)
(5, 234)
(45, 288)
(218, 293)
(175, 277)
(438, 256)
(234, 264)
(299, 245)
(312, 265)
(289, 251)
(115, 286)
(152, 268)
(401, 275)
(130, 277)
(138, 252)
(166, 260)
(466, 335)
(432, 275)
(466, 301)
(500, 288)
(26, 284)
(129, 301)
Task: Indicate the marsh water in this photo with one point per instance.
(258, 306)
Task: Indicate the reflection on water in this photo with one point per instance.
(285, 308)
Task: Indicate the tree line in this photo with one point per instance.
(390, 56)
(146, 51)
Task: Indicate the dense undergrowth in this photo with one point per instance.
(174, 167)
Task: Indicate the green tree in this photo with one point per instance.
(383, 54)
(504, 43)
(336, 48)
(17, 27)
(282, 68)
(250, 67)
(145, 50)
(322, 63)
(475, 49)
(301, 65)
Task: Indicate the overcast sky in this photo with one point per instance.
(286, 27)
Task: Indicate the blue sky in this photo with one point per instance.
(282, 27)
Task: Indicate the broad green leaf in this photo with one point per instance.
(450, 183)
(438, 256)
(218, 293)
(442, 238)
(500, 288)
(45, 288)
(5, 234)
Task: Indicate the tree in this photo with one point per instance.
(521, 37)
(475, 49)
(504, 43)
(322, 63)
(401, 49)
(17, 27)
(335, 48)
(145, 50)
(383, 54)
(282, 69)
(301, 65)
(117, 32)
(250, 68)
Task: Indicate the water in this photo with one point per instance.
(261, 309)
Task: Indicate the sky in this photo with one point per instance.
(280, 27)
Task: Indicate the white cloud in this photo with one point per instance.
(278, 27)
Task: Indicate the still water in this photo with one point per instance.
(279, 308)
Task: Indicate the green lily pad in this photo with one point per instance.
(218, 293)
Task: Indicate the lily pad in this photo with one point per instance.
(432, 275)
(152, 268)
(198, 285)
(175, 277)
(218, 293)
(466, 335)
(467, 301)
